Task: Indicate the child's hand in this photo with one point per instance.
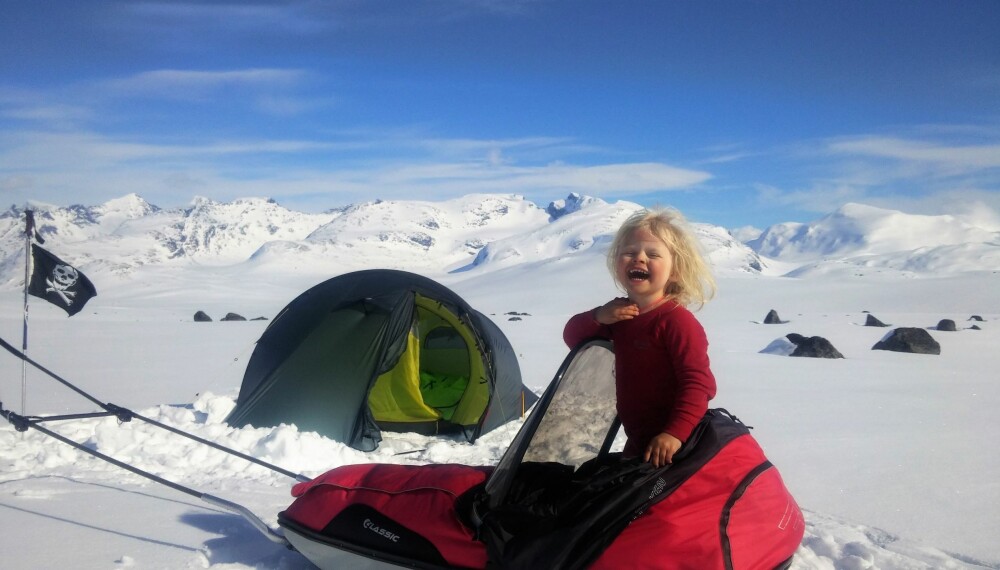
(661, 450)
(615, 310)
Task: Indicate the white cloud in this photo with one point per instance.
(84, 151)
(83, 164)
(294, 18)
(819, 198)
(979, 213)
(53, 114)
(745, 233)
(287, 106)
(609, 179)
(980, 208)
(189, 84)
(40, 107)
(950, 157)
(475, 147)
(271, 91)
(930, 169)
(448, 179)
(725, 153)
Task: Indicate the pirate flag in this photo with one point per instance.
(58, 282)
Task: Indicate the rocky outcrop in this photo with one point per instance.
(813, 347)
(871, 321)
(946, 325)
(909, 339)
(772, 318)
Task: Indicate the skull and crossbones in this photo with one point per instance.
(63, 278)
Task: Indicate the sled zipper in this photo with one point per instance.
(727, 553)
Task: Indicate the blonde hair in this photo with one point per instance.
(691, 279)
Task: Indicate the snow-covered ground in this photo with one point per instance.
(891, 456)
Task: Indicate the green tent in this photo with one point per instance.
(381, 350)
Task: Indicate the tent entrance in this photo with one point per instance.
(439, 383)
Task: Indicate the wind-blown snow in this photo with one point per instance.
(889, 454)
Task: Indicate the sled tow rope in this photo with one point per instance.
(126, 415)
(23, 423)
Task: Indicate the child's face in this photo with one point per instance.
(644, 266)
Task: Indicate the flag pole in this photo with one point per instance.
(29, 229)
(66, 287)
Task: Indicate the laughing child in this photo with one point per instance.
(662, 376)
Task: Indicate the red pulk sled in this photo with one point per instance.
(559, 498)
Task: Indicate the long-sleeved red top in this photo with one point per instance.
(662, 376)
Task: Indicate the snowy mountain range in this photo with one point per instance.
(479, 232)
(867, 237)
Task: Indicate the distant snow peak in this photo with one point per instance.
(130, 206)
(859, 238)
(493, 209)
(227, 233)
(725, 252)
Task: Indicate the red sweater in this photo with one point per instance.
(662, 375)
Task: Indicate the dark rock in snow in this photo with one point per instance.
(975, 328)
(202, 317)
(773, 319)
(871, 321)
(909, 339)
(976, 318)
(233, 317)
(514, 319)
(573, 203)
(946, 325)
(812, 347)
(259, 319)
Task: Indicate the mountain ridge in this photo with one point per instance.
(862, 237)
(476, 232)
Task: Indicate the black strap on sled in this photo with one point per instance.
(22, 423)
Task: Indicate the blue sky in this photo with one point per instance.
(736, 112)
